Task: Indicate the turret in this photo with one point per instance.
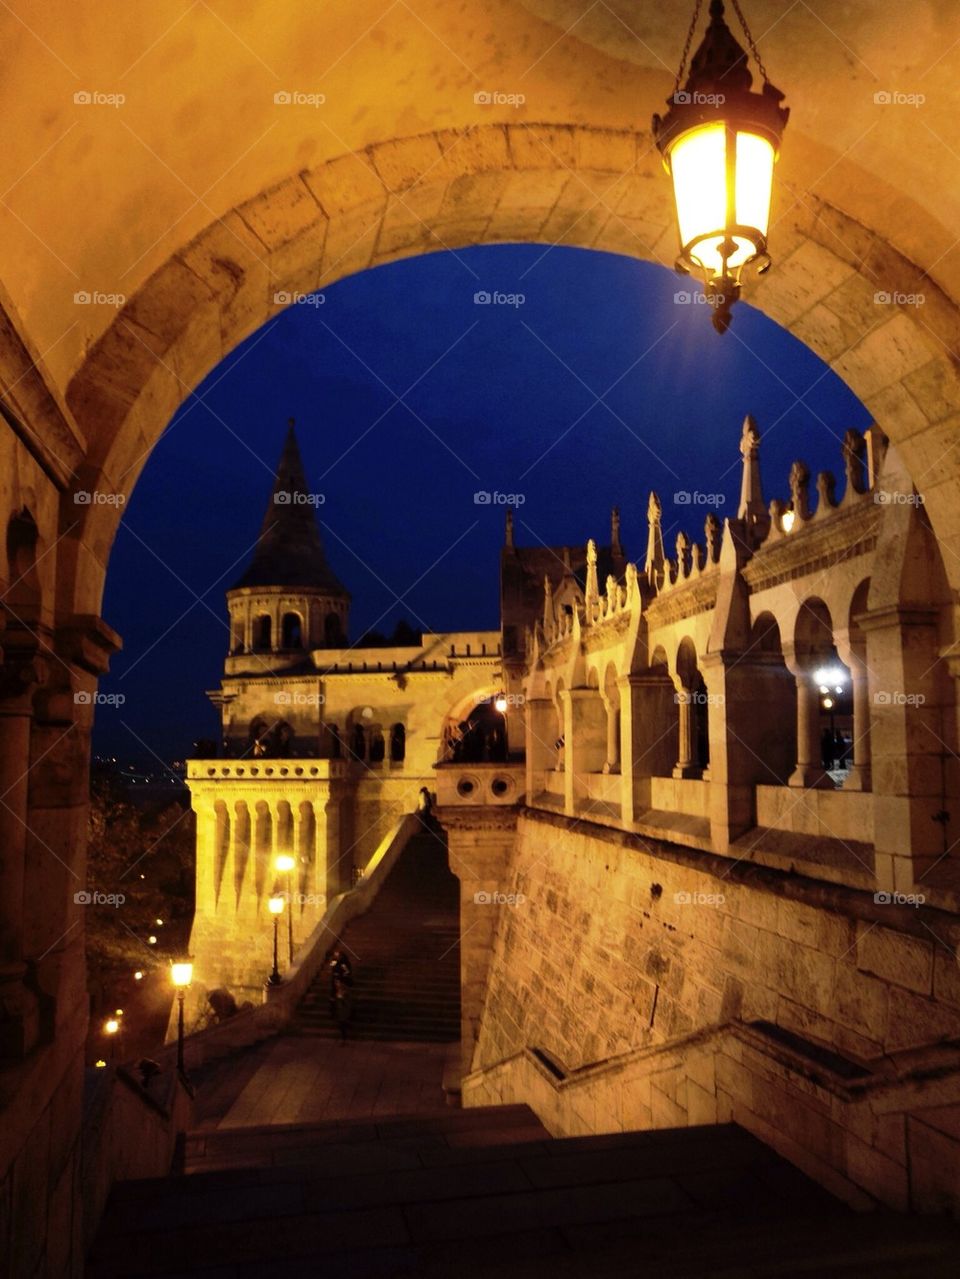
(289, 600)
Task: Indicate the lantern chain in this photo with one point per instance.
(686, 47)
(750, 40)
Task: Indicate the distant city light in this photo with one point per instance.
(138, 975)
(111, 1026)
(100, 1064)
(151, 940)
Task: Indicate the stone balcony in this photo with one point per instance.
(247, 770)
(461, 785)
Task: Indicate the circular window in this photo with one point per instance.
(284, 771)
(239, 772)
(465, 786)
(211, 772)
(500, 786)
(299, 772)
(255, 772)
(314, 771)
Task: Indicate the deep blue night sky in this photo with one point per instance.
(503, 398)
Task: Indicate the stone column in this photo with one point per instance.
(685, 765)
(612, 762)
(907, 741)
(480, 843)
(540, 717)
(809, 771)
(19, 1023)
(585, 738)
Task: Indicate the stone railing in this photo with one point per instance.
(466, 784)
(130, 1131)
(862, 1131)
(280, 1001)
(260, 769)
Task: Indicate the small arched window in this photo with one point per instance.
(377, 747)
(398, 743)
(292, 631)
(332, 632)
(358, 747)
(263, 632)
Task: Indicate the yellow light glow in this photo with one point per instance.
(138, 975)
(111, 1026)
(181, 974)
(828, 703)
(118, 1012)
(787, 521)
(151, 940)
(698, 164)
(285, 862)
(501, 704)
(275, 905)
(100, 1064)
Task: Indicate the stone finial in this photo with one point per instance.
(632, 581)
(592, 586)
(854, 457)
(508, 531)
(612, 593)
(615, 545)
(548, 619)
(800, 490)
(653, 565)
(752, 509)
(683, 555)
(712, 532)
(826, 492)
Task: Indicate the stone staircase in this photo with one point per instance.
(487, 1191)
(405, 953)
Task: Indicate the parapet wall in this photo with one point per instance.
(607, 942)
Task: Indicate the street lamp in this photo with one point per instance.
(285, 864)
(111, 1028)
(275, 906)
(501, 703)
(719, 143)
(181, 974)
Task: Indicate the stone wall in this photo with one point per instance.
(619, 943)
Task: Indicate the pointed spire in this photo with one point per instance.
(615, 548)
(548, 618)
(289, 551)
(508, 530)
(592, 585)
(752, 509)
(653, 565)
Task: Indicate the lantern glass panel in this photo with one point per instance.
(698, 164)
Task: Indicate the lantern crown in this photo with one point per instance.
(719, 141)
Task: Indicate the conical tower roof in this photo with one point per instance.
(289, 551)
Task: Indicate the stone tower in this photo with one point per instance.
(289, 601)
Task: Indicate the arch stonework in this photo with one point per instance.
(447, 189)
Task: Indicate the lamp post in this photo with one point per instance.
(719, 142)
(275, 906)
(831, 680)
(111, 1028)
(285, 864)
(181, 974)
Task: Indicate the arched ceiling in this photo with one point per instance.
(96, 197)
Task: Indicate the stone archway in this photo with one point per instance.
(551, 184)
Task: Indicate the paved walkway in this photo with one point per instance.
(303, 1079)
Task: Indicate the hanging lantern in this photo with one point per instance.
(719, 143)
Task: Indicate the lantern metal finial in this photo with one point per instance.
(719, 141)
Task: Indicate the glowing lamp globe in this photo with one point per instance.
(501, 704)
(181, 973)
(275, 905)
(719, 142)
(285, 862)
